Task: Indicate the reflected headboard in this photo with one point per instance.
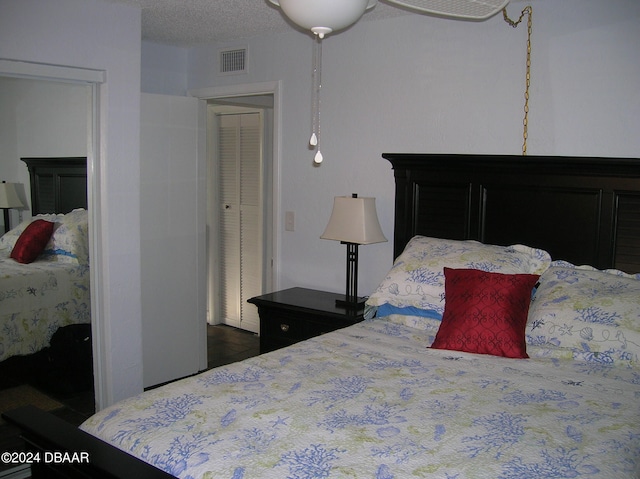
(58, 185)
(582, 210)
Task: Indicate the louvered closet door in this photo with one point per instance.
(240, 194)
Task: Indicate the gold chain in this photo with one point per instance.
(527, 11)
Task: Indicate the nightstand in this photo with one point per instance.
(296, 314)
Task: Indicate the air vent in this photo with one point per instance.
(233, 61)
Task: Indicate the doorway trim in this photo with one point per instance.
(94, 79)
(251, 89)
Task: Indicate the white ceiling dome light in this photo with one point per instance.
(324, 16)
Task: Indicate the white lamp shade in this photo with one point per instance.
(354, 220)
(9, 196)
(324, 16)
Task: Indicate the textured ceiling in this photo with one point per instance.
(190, 22)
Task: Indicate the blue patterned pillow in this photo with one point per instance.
(586, 314)
(417, 277)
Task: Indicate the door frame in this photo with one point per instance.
(253, 89)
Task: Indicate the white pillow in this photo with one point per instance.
(416, 279)
(586, 314)
(70, 240)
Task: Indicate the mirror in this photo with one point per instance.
(46, 118)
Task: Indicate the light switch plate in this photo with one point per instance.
(289, 221)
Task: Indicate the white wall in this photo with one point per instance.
(39, 119)
(422, 84)
(165, 69)
(102, 36)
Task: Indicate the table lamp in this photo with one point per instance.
(8, 199)
(353, 221)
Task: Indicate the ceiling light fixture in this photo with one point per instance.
(324, 16)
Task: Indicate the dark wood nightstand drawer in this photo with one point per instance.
(296, 314)
(284, 325)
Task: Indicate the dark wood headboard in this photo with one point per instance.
(58, 185)
(583, 210)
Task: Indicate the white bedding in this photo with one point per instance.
(373, 401)
(38, 298)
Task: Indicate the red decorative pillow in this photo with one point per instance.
(32, 241)
(485, 313)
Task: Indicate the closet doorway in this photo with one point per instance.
(239, 205)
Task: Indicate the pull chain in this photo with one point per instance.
(527, 11)
(314, 141)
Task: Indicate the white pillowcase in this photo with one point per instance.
(417, 277)
(70, 240)
(586, 314)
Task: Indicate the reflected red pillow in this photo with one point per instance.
(485, 313)
(32, 241)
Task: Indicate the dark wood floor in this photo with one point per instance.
(225, 345)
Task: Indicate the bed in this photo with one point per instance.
(44, 261)
(529, 369)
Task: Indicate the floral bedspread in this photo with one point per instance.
(373, 401)
(38, 298)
